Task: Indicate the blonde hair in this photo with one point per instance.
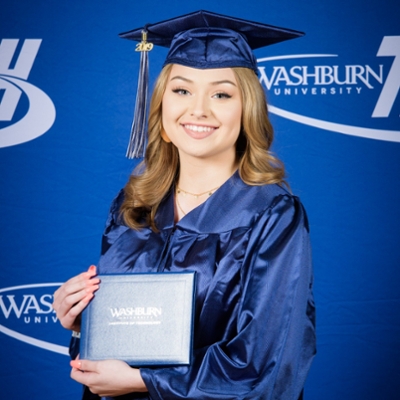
(153, 178)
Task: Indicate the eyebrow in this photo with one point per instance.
(212, 83)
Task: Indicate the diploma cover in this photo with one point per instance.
(143, 319)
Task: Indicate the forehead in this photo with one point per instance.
(202, 76)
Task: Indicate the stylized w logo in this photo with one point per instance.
(41, 113)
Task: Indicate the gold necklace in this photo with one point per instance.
(197, 195)
(179, 205)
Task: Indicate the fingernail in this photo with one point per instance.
(75, 364)
(92, 268)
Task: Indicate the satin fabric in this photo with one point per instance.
(206, 48)
(254, 335)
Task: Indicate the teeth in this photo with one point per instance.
(196, 128)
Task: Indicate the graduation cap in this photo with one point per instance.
(202, 40)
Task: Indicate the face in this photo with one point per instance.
(201, 113)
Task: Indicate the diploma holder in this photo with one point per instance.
(143, 319)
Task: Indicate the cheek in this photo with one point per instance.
(170, 110)
(234, 116)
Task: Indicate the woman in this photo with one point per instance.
(211, 198)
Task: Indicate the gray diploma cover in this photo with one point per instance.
(143, 319)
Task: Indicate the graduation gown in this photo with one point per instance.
(254, 327)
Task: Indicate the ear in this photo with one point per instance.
(165, 136)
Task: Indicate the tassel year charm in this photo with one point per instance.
(137, 140)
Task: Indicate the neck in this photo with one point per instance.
(201, 175)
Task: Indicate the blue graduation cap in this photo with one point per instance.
(202, 40)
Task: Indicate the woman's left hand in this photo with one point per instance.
(107, 378)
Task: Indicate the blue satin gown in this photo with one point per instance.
(254, 334)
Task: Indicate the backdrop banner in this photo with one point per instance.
(67, 92)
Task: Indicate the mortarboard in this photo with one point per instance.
(203, 40)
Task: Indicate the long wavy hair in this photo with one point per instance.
(155, 175)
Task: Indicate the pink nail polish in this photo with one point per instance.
(76, 364)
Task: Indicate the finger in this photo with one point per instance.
(82, 277)
(84, 372)
(84, 365)
(76, 364)
(75, 286)
(72, 299)
(70, 320)
(73, 296)
(70, 293)
(72, 302)
(78, 282)
(92, 271)
(79, 376)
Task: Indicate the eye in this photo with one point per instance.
(181, 91)
(221, 95)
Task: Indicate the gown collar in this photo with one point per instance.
(219, 213)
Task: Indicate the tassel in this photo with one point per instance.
(137, 140)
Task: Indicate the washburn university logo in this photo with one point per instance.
(26, 314)
(135, 315)
(26, 112)
(365, 92)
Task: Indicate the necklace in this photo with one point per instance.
(197, 195)
(179, 205)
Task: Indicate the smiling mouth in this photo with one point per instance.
(199, 128)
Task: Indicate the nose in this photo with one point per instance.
(200, 107)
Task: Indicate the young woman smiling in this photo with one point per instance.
(210, 197)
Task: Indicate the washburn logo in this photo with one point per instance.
(347, 78)
(331, 78)
(135, 315)
(26, 112)
(26, 314)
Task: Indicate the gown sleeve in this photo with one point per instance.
(272, 349)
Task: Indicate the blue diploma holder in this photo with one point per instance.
(143, 319)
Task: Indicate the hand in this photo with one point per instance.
(73, 296)
(107, 378)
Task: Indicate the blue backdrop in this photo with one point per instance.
(67, 89)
